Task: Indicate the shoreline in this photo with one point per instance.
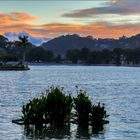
(64, 64)
(16, 67)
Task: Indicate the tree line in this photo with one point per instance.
(33, 54)
(15, 51)
(116, 56)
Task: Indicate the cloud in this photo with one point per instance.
(34, 40)
(17, 22)
(16, 17)
(12, 24)
(121, 7)
(99, 30)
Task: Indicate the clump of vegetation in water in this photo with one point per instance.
(34, 111)
(58, 108)
(98, 115)
(54, 108)
(87, 113)
(82, 106)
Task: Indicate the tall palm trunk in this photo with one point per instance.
(24, 42)
(24, 56)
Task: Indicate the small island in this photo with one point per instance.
(7, 64)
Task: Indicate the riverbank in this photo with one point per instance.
(67, 64)
(18, 67)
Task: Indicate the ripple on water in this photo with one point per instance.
(117, 87)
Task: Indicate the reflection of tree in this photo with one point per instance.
(88, 132)
(83, 132)
(97, 130)
(47, 131)
(61, 132)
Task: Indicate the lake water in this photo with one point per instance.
(117, 87)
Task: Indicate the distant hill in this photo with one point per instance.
(63, 43)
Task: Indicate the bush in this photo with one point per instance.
(98, 115)
(34, 111)
(56, 107)
(82, 106)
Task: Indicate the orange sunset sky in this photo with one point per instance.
(49, 19)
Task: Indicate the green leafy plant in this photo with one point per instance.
(58, 106)
(55, 107)
(98, 115)
(82, 106)
(34, 111)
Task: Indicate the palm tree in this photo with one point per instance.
(24, 42)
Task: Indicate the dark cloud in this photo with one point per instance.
(122, 7)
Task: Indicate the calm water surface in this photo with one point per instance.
(117, 87)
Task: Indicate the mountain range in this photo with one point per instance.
(63, 43)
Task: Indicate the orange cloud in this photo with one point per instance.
(15, 18)
(18, 22)
(99, 30)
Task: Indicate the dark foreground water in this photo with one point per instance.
(117, 87)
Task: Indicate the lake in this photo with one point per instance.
(117, 87)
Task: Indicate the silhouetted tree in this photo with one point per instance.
(94, 57)
(117, 53)
(132, 56)
(8, 58)
(84, 54)
(106, 56)
(24, 42)
(73, 55)
(40, 54)
(58, 58)
(49, 56)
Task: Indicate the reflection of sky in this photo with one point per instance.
(54, 18)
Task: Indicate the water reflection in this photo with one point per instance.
(83, 132)
(89, 132)
(61, 132)
(47, 131)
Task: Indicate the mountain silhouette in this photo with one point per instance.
(63, 43)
